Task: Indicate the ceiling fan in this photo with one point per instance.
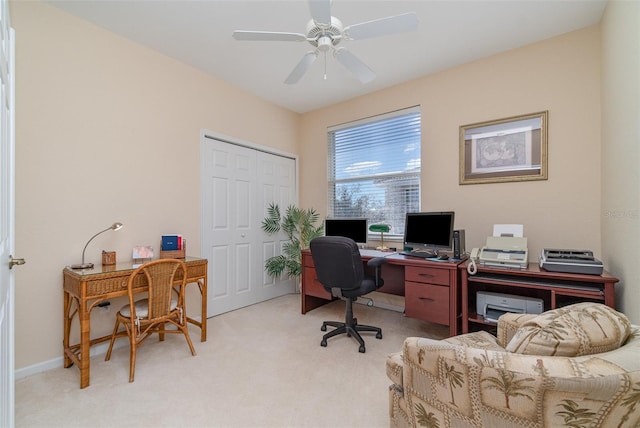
(325, 32)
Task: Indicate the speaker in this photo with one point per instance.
(458, 244)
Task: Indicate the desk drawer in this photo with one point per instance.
(427, 274)
(427, 302)
(312, 286)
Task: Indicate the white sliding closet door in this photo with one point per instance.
(238, 183)
(7, 217)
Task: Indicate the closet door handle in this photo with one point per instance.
(15, 262)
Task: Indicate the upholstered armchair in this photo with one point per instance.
(576, 366)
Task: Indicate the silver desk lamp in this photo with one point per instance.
(83, 265)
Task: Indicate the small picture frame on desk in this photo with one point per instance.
(142, 253)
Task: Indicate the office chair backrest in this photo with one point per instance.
(338, 262)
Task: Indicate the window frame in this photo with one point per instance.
(413, 176)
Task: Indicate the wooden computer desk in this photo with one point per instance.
(87, 288)
(556, 289)
(444, 293)
(431, 288)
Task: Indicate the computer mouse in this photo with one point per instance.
(443, 257)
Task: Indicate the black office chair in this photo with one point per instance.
(340, 270)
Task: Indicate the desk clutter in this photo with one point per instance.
(173, 247)
(108, 258)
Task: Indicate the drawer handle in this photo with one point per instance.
(426, 275)
(427, 298)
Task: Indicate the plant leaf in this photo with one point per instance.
(275, 265)
(271, 223)
(299, 226)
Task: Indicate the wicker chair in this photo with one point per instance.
(144, 317)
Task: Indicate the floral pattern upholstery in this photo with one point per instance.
(471, 380)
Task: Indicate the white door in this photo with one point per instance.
(6, 217)
(238, 183)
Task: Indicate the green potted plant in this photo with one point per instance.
(300, 227)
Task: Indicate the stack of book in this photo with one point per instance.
(172, 247)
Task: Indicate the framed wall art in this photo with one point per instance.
(510, 149)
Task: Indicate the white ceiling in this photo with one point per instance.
(450, 33)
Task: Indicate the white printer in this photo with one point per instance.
(491, 305)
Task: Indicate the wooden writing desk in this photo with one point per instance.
(430, 288)
(87, 288)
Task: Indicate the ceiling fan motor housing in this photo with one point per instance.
(324, 36)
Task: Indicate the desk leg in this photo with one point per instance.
(67, 328)
(453, 303)
(610, 294)
(464, 288)
(202, 286)
(203, 320)
(85, 343)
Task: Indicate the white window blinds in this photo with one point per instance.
(374, 168)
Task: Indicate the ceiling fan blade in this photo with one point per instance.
(354, 65)
(383, 27)
(320, 11)
(269, 36)
(301, 68)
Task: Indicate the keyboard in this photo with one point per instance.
(424, 255)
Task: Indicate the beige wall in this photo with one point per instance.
(108, 130)
(620, 213)
(561, 75)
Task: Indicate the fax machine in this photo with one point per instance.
(505, 251)
(492, 305)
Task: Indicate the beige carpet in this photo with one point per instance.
(262, 366)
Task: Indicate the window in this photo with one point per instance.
(374, 168)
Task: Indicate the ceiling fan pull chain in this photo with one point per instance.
(325, 66)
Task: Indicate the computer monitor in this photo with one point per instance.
(354, 228)
(429, 231)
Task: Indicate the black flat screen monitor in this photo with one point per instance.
(354, 228)
(429, 231)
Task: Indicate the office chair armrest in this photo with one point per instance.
(377, 262)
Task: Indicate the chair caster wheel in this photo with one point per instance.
(323, 328)
(378, 335)
(361, 349)
(323, 343)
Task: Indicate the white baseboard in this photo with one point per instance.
(99, 349)
(55, 363)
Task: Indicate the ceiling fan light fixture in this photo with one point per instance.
(324, 43)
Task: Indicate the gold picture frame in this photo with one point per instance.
(503, 150)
